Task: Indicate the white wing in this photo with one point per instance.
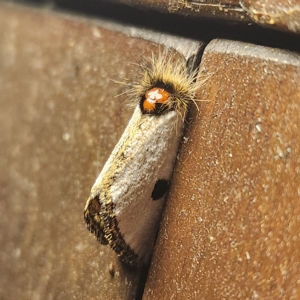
(132, 185)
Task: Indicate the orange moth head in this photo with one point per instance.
(166, 85)
(154, 99)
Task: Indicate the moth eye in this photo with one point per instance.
(160, 188)
(154, 98)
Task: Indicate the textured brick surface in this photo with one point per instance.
(231, 225)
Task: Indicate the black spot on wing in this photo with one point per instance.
(160, 188)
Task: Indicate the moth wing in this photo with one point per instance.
(147, 161)
(134, 179)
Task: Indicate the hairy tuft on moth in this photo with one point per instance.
(127, 199)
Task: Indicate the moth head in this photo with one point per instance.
(157, 100)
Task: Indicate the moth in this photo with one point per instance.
(126, 201)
